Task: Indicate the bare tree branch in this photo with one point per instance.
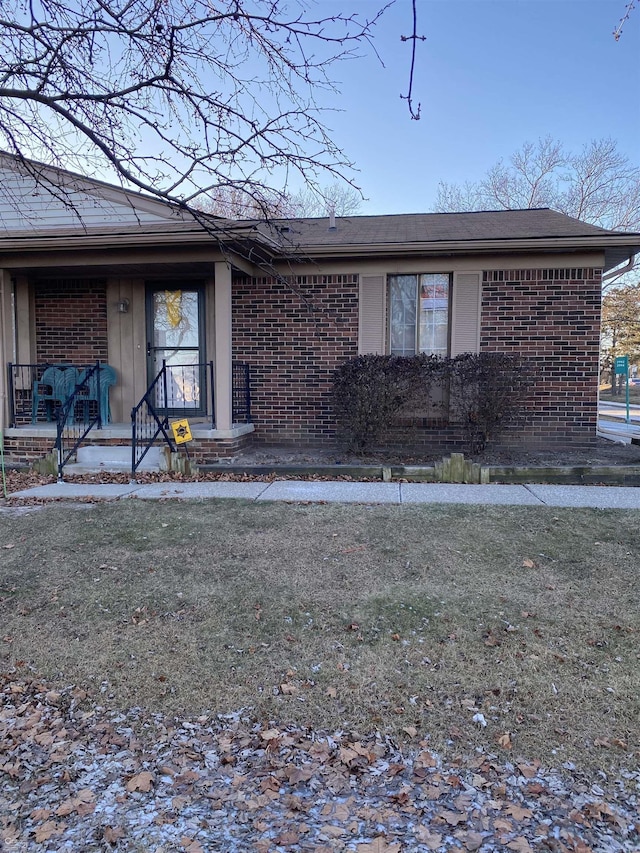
(623, 20)
(413, 38)
(176, 97)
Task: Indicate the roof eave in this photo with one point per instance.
(618, 247)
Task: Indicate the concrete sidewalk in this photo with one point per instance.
(326, 491)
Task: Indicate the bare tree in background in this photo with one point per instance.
(341, 199)
(620, 329)
(177, 98)
(598, 184)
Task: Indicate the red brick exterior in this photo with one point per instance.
(551, 316)
(71, 321)
(25, 450)
(294, 335)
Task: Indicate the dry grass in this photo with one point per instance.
(392, 618)
(634, 394)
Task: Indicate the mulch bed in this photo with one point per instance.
(75, 776)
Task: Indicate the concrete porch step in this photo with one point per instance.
(92, 459)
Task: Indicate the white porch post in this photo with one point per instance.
(223, 348)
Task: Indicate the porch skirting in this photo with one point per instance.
(28, 444)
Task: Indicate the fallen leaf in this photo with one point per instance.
(287, 838)
(141, 782)
(518, 812)
(379, 845)
(472, 840)
(432, 840)
(67, 807)
(528, 564)
(191, 845)
(47, 830)
(270, 734)
(333, 831)
(505, 741)
(453, 818)
(112, 834)
(520, 845)
(41, 814)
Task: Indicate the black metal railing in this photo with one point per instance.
(26, 405)
(189, 392)
(150, 419)
(78, 415)
(241, 393)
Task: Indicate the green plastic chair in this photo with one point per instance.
(107, 380)
(52, 389)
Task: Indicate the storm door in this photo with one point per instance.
(175, 336)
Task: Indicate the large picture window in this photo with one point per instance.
(419, 314)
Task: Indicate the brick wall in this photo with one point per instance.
(71, 321)
(551, 316)
(293, 335)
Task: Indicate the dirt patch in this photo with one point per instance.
(601, 452)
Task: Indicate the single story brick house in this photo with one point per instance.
(94, 273)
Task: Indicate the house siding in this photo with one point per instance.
(71, 321)
(552, 317)
(28, 206)
(293, 335)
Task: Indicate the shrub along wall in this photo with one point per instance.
(479, 395)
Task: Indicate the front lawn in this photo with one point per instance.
(410, 619)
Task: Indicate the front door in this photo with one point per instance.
(175, 336)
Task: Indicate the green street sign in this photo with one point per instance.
(621, 364)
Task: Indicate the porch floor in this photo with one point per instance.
(122, 431)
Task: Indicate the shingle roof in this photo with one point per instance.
(539, 223)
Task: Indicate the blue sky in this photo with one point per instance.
(491, 75)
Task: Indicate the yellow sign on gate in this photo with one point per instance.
(181, 431)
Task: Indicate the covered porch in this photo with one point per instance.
(137, 314)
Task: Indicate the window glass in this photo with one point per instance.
(419, 314)
(403, 290)
(434, 314)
